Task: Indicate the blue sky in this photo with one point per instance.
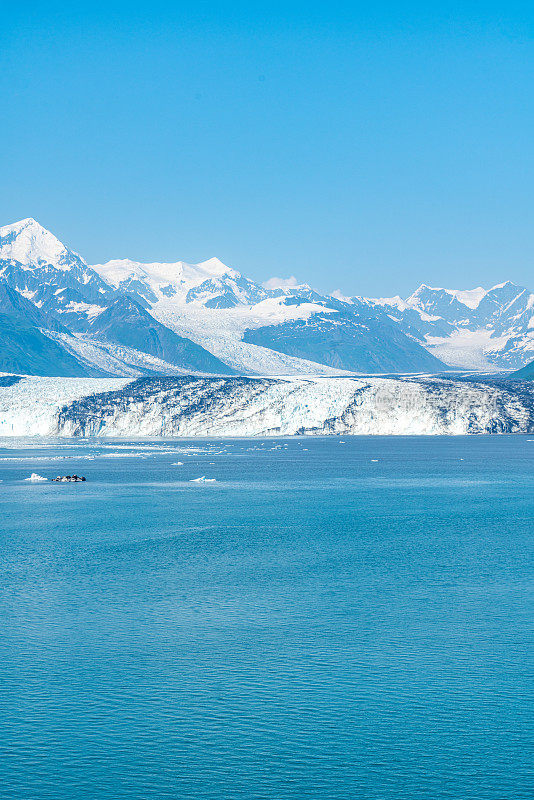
(366, 149)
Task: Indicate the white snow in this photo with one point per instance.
(115, 359)
(29, 295)
(396, 302)
(89, 309)
(178, 292)
(32, 245)
(469, 297)
(159, 277)
(467, 349)
(219, 330)
(35, 478)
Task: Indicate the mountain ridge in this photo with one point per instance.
(210, 318)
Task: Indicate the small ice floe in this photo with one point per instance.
(69, 479)
(374, 460)
(35, 478)
(177, 464)
(203, 479)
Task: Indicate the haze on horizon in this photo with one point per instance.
(367, 151)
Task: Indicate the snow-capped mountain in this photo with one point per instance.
(252, 327)
(124, 316)
(85, 317)
(474, 329)
(210, 284)
(33, 258)
(129, 318)
(24, 348)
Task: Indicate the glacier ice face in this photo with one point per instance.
(30, 406)
(238, 406)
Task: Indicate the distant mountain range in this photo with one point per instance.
(474, 329)
(60, 316)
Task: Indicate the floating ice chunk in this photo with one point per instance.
(35, 478)
(177, 464)
(374, 460)
(202, 479)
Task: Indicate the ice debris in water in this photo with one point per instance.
(35, 478)
(202, 479)
(177, 464)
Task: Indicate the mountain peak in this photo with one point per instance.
(506, 285)
(27, 242)
(29, 225)
(467, 297)
(215, 266)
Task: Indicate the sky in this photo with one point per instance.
(366, 148)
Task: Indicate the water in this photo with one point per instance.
(325, 621)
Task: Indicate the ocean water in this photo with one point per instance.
(328, 619)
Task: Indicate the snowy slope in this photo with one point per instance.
(128, 315)
(33, 246)
(289, 329)
(72, 297)
(32, 256)
(487, 329)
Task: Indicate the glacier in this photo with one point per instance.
(131, 319)
(478, 329)
(247, 406)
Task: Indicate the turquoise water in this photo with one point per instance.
(324, 621)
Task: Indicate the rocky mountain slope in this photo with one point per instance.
(128, 318)
(473, 329)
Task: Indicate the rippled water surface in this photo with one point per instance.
(328, 619)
